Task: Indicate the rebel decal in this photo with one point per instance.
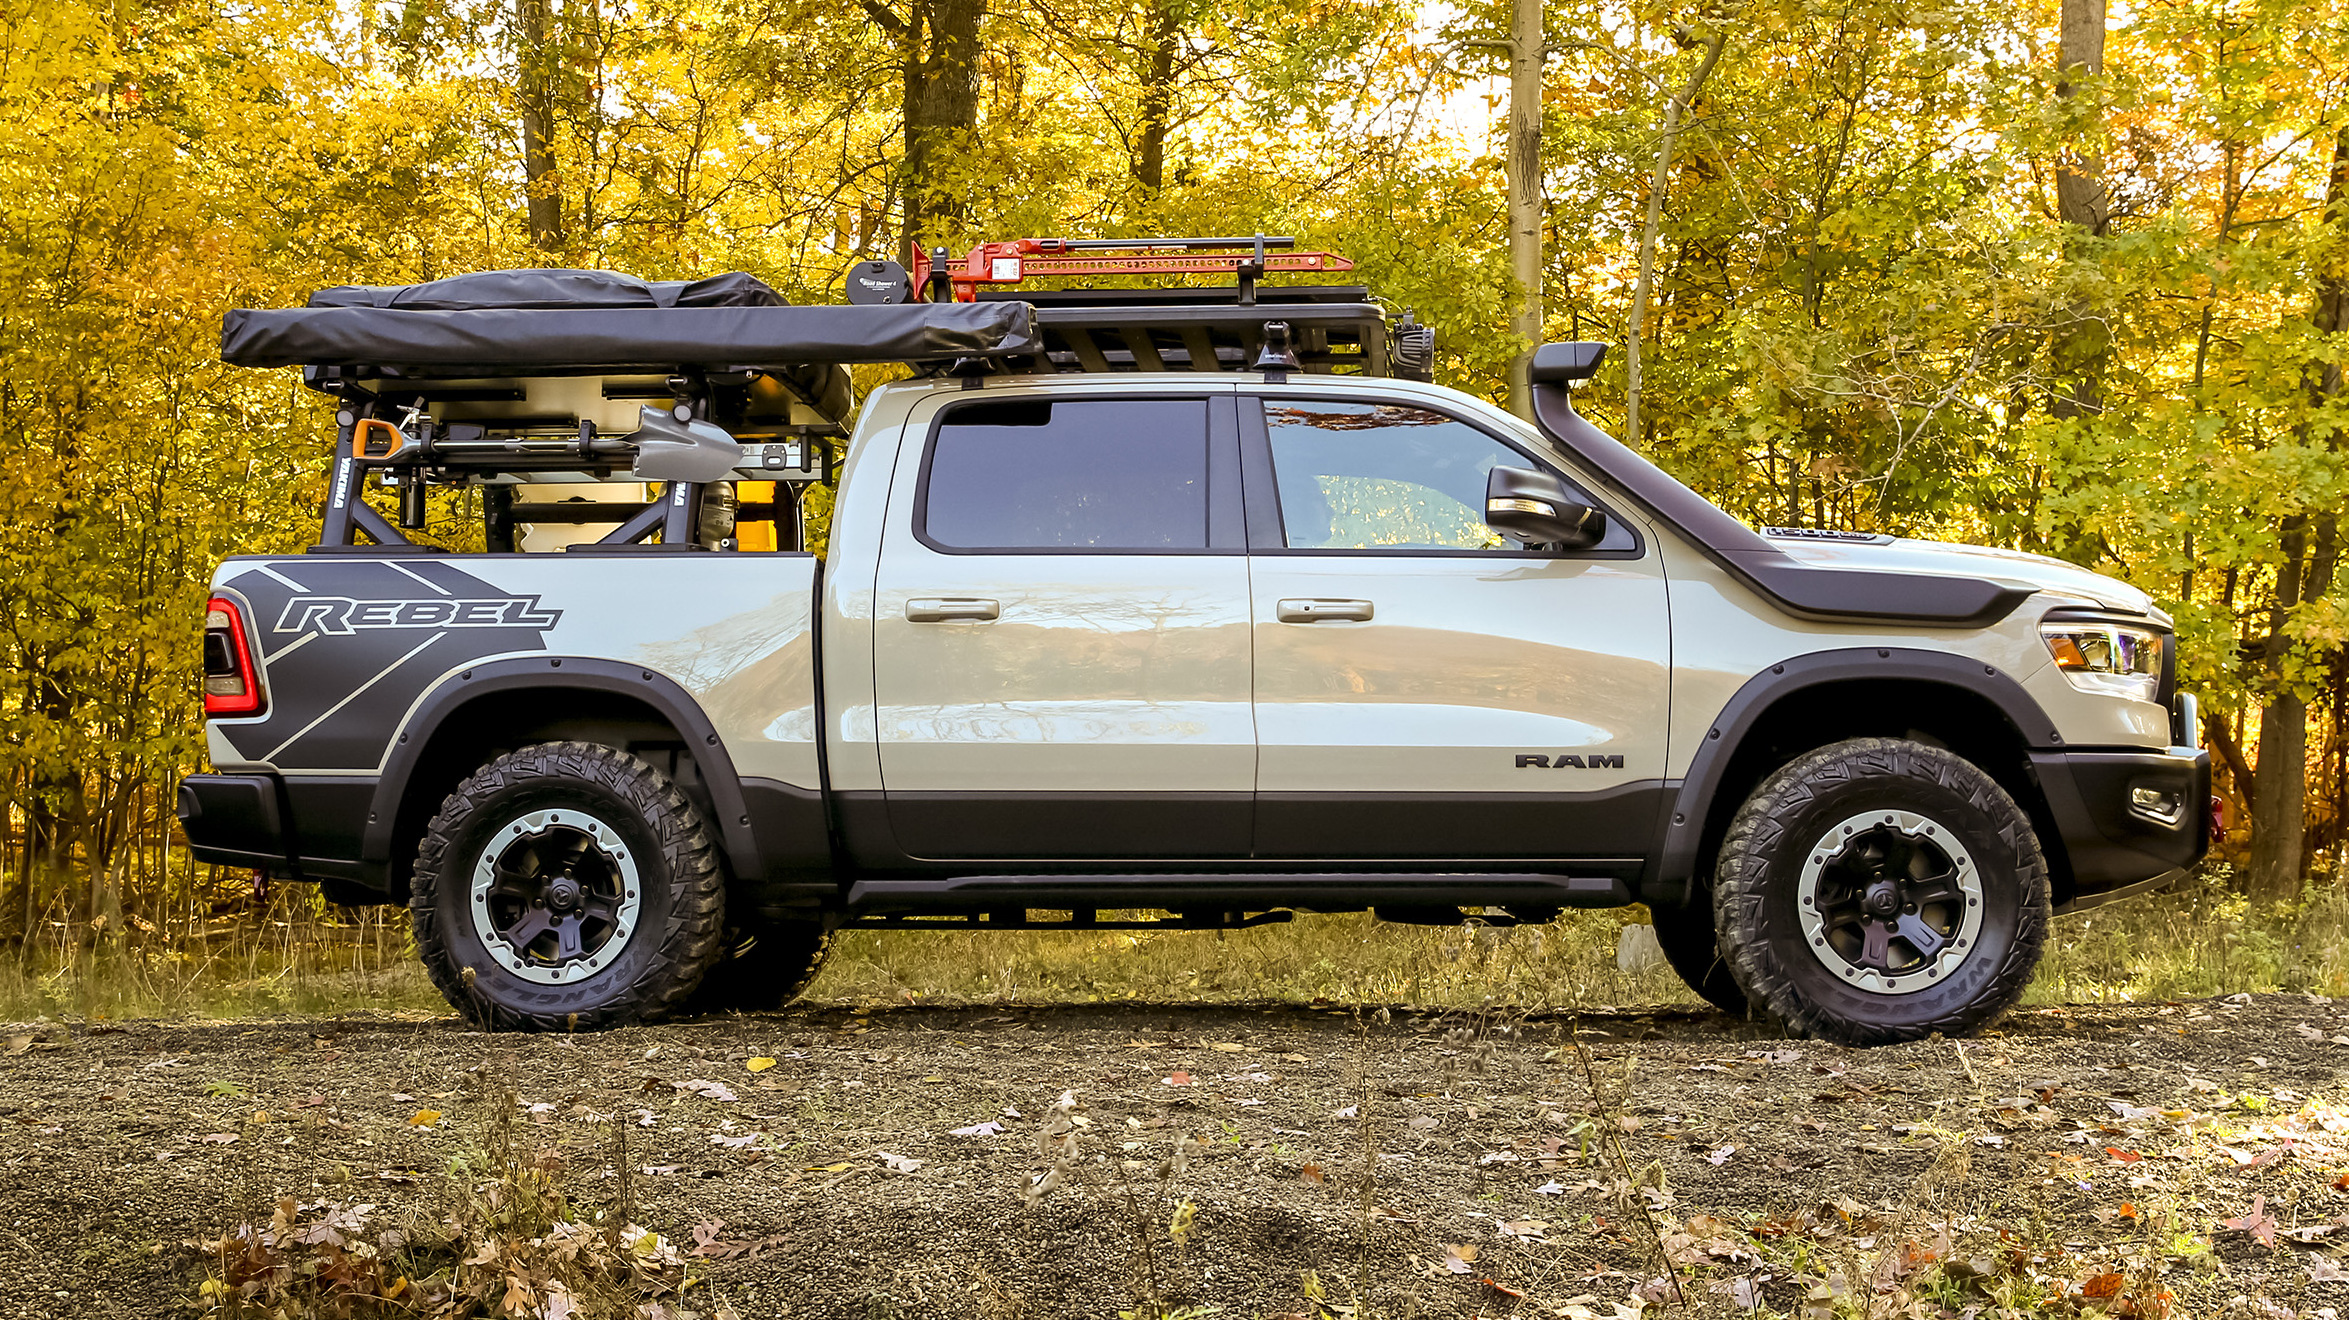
(350, 644)
(341, 615)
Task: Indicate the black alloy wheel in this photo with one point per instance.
(1880, 890)
(564, 887)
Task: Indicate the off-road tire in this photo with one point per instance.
(1686, 936)
(764, 965)
(1771, 839)
(679, 925)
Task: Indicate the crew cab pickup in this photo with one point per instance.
(1173, 612)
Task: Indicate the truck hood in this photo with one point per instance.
(1903, 555)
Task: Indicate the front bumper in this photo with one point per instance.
(2123, 817)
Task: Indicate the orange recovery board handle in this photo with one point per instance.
(378, 441)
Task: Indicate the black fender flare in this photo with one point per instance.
(1684, 827)
(539, 672)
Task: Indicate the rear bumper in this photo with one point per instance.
(234, 820)
(2124, 817)
(299, 828)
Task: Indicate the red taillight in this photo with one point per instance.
(232, 685)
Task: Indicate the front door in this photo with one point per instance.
(1425, 690)
(1060, 639)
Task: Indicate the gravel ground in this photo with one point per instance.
(1422, 1165)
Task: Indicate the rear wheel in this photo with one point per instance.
(765, 965)
(1880, 890)
(567, 886)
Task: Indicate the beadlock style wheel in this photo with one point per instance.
(1890, 901)
(555, 896)
(1878, 890)
(567, 886)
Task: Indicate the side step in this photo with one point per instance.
(889, 901)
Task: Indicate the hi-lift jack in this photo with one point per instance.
(937, 277)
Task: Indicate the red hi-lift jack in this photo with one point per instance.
(937, 277)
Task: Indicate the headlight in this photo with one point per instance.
(2116, 659)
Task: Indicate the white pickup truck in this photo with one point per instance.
(1188, 610)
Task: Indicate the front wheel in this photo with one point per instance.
(567, 886)
(1879, 890)
(1686, 936)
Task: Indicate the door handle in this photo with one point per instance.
(1315, 611)
(940, 609)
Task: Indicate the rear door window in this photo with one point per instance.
(1068, 474)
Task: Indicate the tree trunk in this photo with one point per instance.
(938, 51)
(2279, 816)
(2083, 344)
(1525, 196)
(1157, 99)
(536, 63)
(2311, 545)
(1641, 288)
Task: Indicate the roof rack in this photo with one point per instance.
(1326, 327)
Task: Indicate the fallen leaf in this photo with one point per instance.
(424, 1118)
(759, 1064)
(1228, 1048)
(2103, 1285)
(2124, 1156)
(1310, 1173)
(899, 1163)
(19, 1044)
(1551, 1188)
(707, 1089)
(990, 1128)
(2259, 1223)
(1177, 1078)
(827, 1168)
(1720, 1156)
(1457, 1255)
(218, 1138)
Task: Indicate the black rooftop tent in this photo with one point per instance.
(548, 322)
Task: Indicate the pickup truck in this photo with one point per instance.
(1190, 611)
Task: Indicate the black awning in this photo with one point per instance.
(506, 341)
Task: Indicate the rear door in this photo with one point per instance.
(1425, 690)
(1061, 633)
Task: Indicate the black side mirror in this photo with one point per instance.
(1535, 508)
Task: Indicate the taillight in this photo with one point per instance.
(232, 685)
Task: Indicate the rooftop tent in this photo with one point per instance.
(550, 322)
(552, 289)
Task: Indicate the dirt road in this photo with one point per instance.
(2142, 1160)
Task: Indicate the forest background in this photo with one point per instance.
(2055, 279)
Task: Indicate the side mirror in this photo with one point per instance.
(1535, 508)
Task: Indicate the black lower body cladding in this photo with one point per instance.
(568, 886)
(1879, 890)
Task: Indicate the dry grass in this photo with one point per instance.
(299, 956)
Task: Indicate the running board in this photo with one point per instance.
(1319, 891)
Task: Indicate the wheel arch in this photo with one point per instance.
(1969, 706)
(458, 725)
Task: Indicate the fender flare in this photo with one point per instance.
(1684, 827)
(671, 701)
